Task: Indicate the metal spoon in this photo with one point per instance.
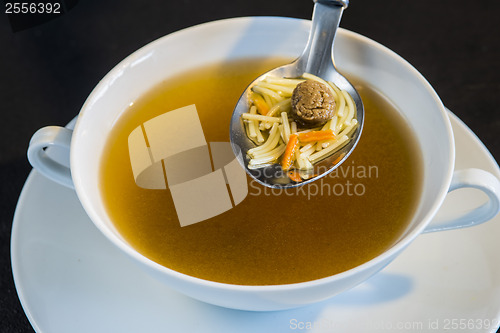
(316, 59)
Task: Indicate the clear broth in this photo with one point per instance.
(303, 234)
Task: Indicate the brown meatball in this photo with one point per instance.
(312, 103)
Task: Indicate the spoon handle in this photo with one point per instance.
(343, 3)
(317, 58)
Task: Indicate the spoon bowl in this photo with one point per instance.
(316, 59)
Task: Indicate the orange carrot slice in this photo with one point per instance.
(337, 160)
(295, 176)
(314, 136)
(260, 103)
(291, 147)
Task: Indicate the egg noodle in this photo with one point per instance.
(269, 126)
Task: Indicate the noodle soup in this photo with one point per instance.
(304, 120)
(273, 236)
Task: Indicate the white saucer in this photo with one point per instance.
(71, 279)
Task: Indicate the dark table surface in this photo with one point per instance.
(47, 70)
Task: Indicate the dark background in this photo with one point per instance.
(47, 71)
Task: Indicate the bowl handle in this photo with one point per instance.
(471, 178)
(51, 136)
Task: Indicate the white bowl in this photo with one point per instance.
(230, 39)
